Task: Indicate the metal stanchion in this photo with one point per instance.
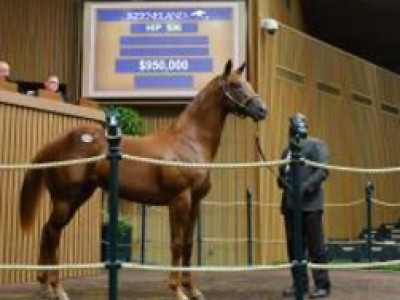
(143, 236)
(114, 155)
(199, 240)
(369, 195)
(298, 133)
(249, 196)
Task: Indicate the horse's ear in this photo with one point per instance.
(228, 68)
(240, 70)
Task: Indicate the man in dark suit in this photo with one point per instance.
(312, 211)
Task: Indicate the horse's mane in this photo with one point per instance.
(192, 109)
(202, 94)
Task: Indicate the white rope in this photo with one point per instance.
(384, 203)
(206, 268)
(233, 203)
(354, 203)
(353, 265)
(53, 267)
(130, 265)
(386, 243)
(259, 203)
(350, 169)
(351, 242)
(53, 164)
(225, 240)
(163, 162)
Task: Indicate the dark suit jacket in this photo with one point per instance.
(311, 178)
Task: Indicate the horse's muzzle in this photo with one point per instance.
(257, 110)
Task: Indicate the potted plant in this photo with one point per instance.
(129, 119)
(124, 240)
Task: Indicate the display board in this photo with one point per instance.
(158, 50)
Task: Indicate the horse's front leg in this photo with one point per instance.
(187, 280)
(178, 218)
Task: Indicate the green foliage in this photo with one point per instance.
(123, 227)
(130, 121)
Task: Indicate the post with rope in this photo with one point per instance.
(369, 195)
(297, 133)
(113, 155)
(249, 196)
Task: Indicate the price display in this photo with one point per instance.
(159, 50)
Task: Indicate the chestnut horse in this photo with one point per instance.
(193, 137)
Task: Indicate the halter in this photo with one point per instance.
(239, 106)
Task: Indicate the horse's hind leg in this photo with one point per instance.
(61, 214)
(187, 280)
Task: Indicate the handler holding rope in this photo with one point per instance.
(311, 205)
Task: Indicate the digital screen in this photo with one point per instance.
(158, 50)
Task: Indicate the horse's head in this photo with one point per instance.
(239, 97)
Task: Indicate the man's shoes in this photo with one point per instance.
(320, 293)
(291, 292)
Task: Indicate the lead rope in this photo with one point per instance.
(263, 157)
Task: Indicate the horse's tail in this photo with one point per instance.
(30, 193)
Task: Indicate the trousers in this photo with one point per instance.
(313, 245)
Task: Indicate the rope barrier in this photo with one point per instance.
(261, 241)
(183, 164)
(384, 203)
(131, 265)
(53, 267)
(258, 203)
(387, 243)
(354, 203)
(207, 268)
(351, 242)
(53, 164)
(350, 169)
(353, 265)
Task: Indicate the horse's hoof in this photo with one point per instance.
(195, 294)
(180, 295)
(62, 296)
(45, 294)
(198, 297)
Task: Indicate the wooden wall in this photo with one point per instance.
(26, 124)
(41, 37)
(352, 105)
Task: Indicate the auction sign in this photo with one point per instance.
(159, 49)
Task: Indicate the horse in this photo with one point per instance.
(193, 137)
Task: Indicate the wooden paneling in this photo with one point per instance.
(24, 129)
(39, 38)
(352, 105)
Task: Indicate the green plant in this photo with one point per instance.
(123, 227)
(130, 121)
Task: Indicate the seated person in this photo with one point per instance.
(51, 89)
(5, 83)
